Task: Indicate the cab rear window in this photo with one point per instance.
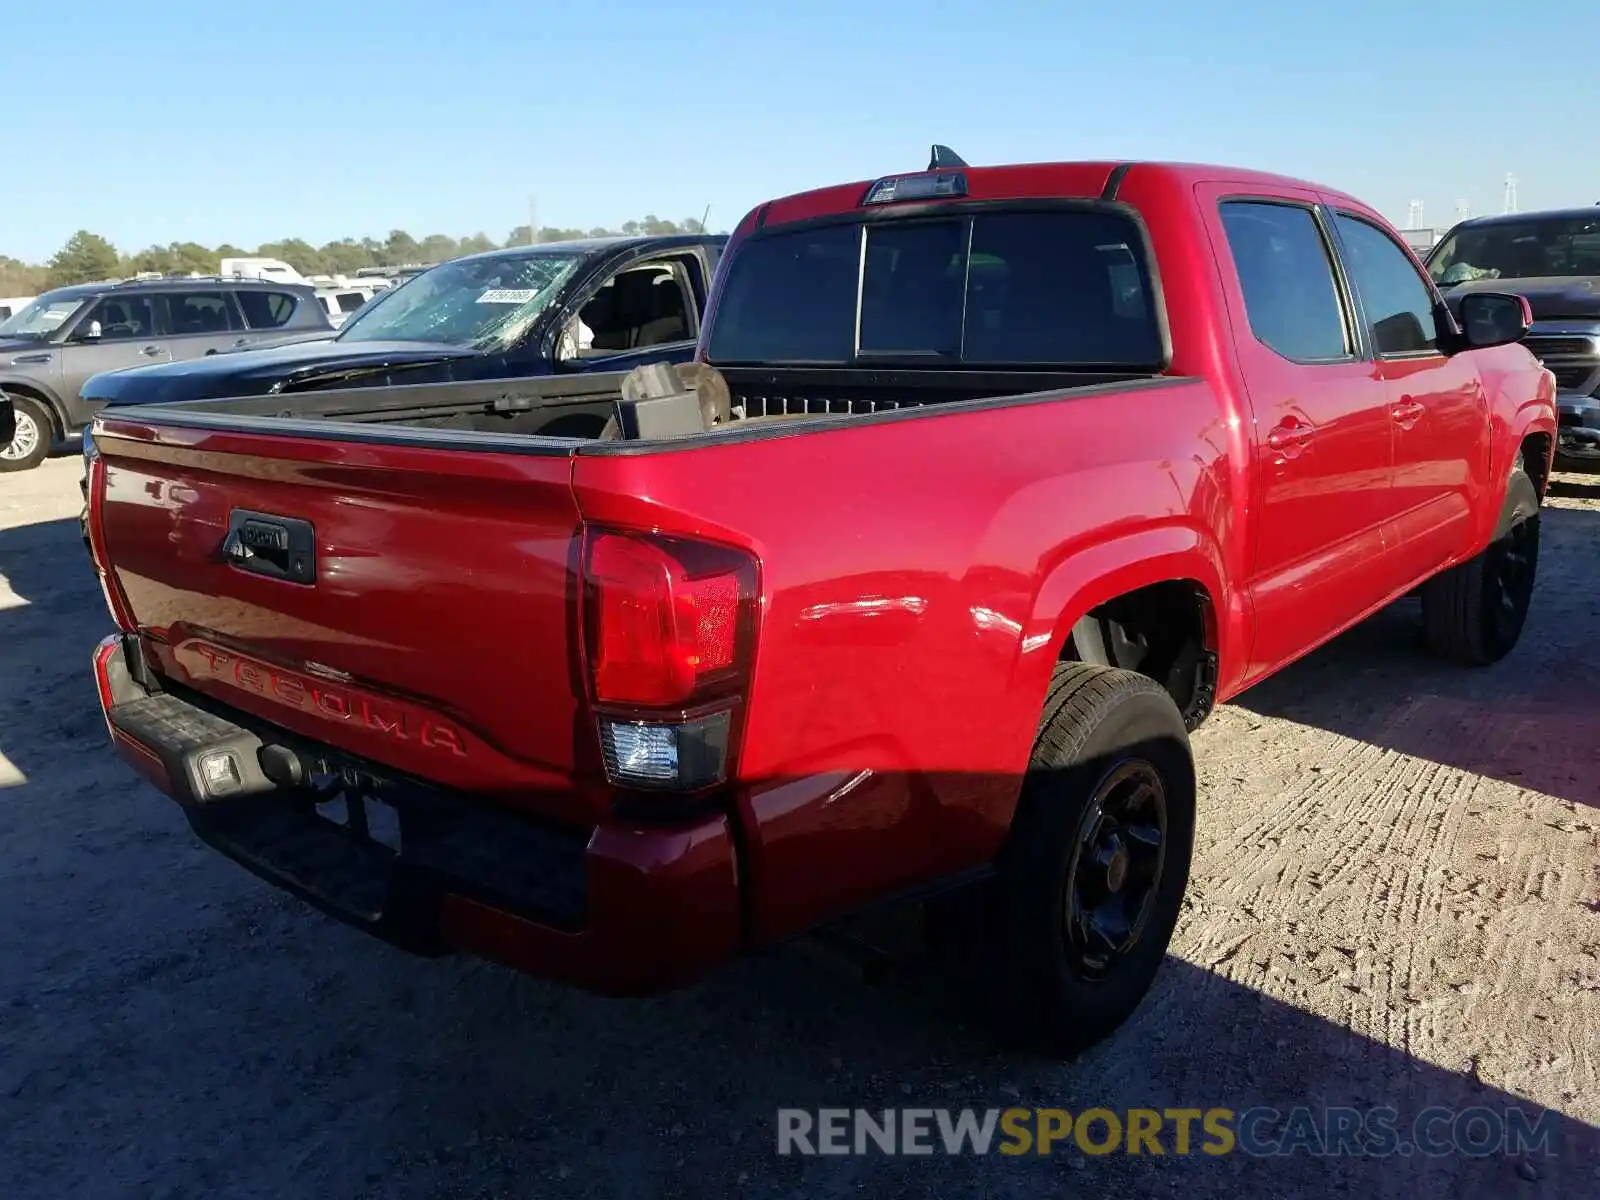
(1023, 288)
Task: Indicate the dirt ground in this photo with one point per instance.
(1396, 901)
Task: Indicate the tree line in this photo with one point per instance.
(88, 256)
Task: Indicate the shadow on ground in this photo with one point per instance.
(401, 1079)
(1576, 488)
(51, 627)
(1532, 719)
(170, 1027)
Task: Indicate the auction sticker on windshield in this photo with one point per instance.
(508, 295)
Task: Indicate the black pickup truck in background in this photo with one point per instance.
(1552, 258)
(560, 309)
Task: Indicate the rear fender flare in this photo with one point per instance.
(1510, 505)
(1519, 502)
(1089, 577)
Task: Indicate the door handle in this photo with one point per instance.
(151, 351)
(1289, 439)
(1408, 412)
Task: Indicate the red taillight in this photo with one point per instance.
(121, 612)
(666, 619)
(108, 649)
(669, 627)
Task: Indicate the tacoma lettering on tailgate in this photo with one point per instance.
(398, 720)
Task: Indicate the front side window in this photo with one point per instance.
(1009, 288)
(41, 318)
(125, 317)
(641, 306)
(1287, 280)
(1399, 306)
(483, 303)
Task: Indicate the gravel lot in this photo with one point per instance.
(1396, 900)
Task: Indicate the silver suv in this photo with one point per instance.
(51, 347)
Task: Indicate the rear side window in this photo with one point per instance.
(1398, 305)
(1287, 280)
(199, 312)
(1061, 289)
(266, 310)
(350, 301)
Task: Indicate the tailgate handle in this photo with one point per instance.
(278, 547)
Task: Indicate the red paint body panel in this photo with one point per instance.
(918, 580)
(664, 910)
(444, 593)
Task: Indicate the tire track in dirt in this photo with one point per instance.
(1400, 886)
(1375, 828)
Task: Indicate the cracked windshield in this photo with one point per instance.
(483, 303)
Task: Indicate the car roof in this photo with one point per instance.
(1591, 212)
(1067, 179)
(599, 245)
(172, 283)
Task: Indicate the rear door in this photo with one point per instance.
(1323, 443)
(201, 322)
(1436, 403)
(131, 333)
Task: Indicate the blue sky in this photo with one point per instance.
(220, 121)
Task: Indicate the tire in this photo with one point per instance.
(30, 443)
(1111, 759)
(1474, 612)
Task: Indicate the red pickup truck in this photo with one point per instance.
(1018, 471)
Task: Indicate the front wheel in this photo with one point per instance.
(1092, 876)
(1474, 613)
(30, 441)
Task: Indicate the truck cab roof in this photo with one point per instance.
(1073, 179)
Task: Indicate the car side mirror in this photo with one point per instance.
(92, 332)
(1494, 319)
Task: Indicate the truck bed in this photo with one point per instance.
(502, 414)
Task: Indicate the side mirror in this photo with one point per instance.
(91, 332)
(1494, 319)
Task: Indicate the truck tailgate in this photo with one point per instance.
(406, 604)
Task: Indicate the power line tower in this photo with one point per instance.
(1463, 210)
(1414, 217)
(1511, 194)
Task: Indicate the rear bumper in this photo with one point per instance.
(620, 909)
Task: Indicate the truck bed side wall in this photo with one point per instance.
(920, 577)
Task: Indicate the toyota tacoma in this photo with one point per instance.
(985, 486)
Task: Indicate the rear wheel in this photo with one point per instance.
(30, 441)
(1093, 874)
(1474, 612)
